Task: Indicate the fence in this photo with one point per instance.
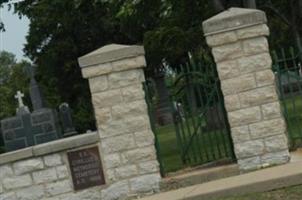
(198, 133)
(288, 71)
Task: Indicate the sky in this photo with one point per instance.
(13, 39)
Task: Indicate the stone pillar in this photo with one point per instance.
(240, 49)
(115, 74)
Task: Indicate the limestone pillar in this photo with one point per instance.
(115, 74)
(240, 49)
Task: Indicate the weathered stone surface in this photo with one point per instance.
(267, 128)
(126, 171)
(128, 64)
(96, 70)
(255, 45)
(253, 31)
(232, 102)
(276, 143)
(59, 187)
(107, 98)
(118, 143)
(103, 115)
(238, 84)
(148, 167)
(8, 196)
(280, 157)
(31, 193)
(6, 171)
(17, 182)
(45, 176)
(244, 116)
(222, 38)
(144, 138)
(249, 148)
(124, 78)
(227, 52)
(271, 110)
(16, 155)
(25, 166)
(62, 172)
(112, 160)
(147, 183)
(250, 163)
(116, 191)
(228, 69)
(139, 155)
(92, 194)
(52, 160)
(1, 188)
(254, 63)
(133, 93)
(264, 78)
(98, 84)
(132, 109)
(258, 96)
(240, 134)
(111, 177)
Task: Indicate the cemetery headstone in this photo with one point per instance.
(66, 120)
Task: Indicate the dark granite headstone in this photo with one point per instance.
(86, 168)
(66, 120)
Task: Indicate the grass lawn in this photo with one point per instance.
(290, 193)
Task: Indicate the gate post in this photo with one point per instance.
(115, 74)
(240, 49)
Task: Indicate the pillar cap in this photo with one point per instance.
(110, 53)
(232, 19)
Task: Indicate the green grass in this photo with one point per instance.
(205, 148)
(290, 193)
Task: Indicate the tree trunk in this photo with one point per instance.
(250, 4)
(218, 6)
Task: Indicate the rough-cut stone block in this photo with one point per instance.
(98, 84)
(45, 176)
(253, 31)
(244, 116)
(258, 96)
(88, 194)
(238, 84)
(126, 171)
(103, 115)
(250, 163)
(25, 166)
(62, 172)
(267, 128)
(249, 148)
(118, 143)
(17, 182)
(31, 193)
(126, 110)
(255, 45)
(116, 191)
(1, 188)
(107, 98)
(276, 143)
(271, 110)
(124, 78)
(139, 155)
(148, 167)
(264, 78)
(6, 171)
(254, 63)
(96, 70)
(240, 134)
(111, 177)
(232, 102)
(112, 160)
(133, 93)
(275, 158)
(8, 196)
(144, 138)
(227, 52)
(228, 69)
(221, 38)
(147, 183)
(129, 63)
(56, 188)
(52, 160)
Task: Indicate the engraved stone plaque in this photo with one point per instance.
(86, 168)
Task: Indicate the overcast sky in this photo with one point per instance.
(16, 29)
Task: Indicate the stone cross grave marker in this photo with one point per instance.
(19, 97)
